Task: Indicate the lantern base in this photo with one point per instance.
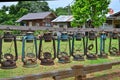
(8, 64)
(103, 55)
(91, 56)
(30, 63)
(78, 57)
(114, 53)
(47, 62)
(64, 60)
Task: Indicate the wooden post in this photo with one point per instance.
(81, 77)
(79, 72)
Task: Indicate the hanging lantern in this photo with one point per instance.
(55, 35)
(8, 57)
(7, 36)
(78, 47)
(103, 53)
(70, 34)
(29, 50)
(91, 45)
(64, 48)
(46, 49)
(79, 36)
(114, 44)
(64, 36)
(47, 36)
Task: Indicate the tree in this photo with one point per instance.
(8, 15)
(62, 11)
(92, 12)
(33, 6)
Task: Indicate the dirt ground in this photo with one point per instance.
(109, 76)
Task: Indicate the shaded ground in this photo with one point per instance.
(111, 76)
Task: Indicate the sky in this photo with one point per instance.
(115, 4)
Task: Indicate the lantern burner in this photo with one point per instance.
(47, 60)
(9, 63)
(63, 57)
(78, 57)
(30, 60)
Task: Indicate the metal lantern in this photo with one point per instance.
(78, 47)
(103, 53)
(70, 34)
(47, 36)
(64, 48)
(8, 57)
(47, 49)
(91, 45)
(64, 36)
(7, 36)
(29, 50)
(114, 48)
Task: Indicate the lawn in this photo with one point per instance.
(20, 70)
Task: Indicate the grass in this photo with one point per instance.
(20, 70)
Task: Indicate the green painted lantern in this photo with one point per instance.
(29, 50)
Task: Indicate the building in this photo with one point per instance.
(37, 19)
(113, 20)
(63, 21)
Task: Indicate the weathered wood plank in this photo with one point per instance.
(78, 71)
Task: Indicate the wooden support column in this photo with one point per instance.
(79, 72)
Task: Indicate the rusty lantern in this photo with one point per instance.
(91, 44)
(114, 47)
(47, 36)
(9, 57)
(78, 46)
(63, 48)
(102, 54)
(46, 50)
(29, 50)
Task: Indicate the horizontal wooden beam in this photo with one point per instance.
(34, 28)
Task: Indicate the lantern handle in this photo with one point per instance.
(54, 48)
(16, 53)
(40, 47)
(0, 49)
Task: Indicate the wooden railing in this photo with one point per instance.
(77, 71)
(34, 28)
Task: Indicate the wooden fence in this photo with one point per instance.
(77, 71)
(34, 28)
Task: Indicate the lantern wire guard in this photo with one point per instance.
(64, 48)
(29, 50)
(91, 45)
(78, 47)
(47, 49)
(8, 57)
(114, 48)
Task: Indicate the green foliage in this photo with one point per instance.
(38, 32)
(89, 10)
(1, 32)
(16, 32)
(62, 11)
(8, 15)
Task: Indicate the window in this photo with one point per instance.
(60, 25)
(30, 23)
(47, 24)
(37, 24)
